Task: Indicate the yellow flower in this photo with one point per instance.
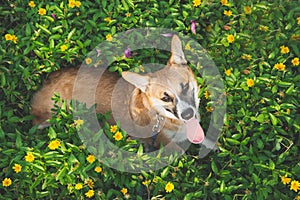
(118, 136)
(63, 47)
(196, 3)
(124, 191)
(128, 14)
(295, 185)
(108, 19)
(250, 82)
(91, 158)
(11, 37)
(169, 187)
(14, 38)
(90, 183)
(230, 38)
(98, 169)
(90, 193)
(263, 28)
(78, 122)
(31, 4)
(29, 157)
(113, 128)
(6, 182)
(298, 20)
(224, 2)
(55, 144)
(8, 36)
(284, 49)
(285, 180)
(78, 186)
(109, 37)
(295, 61)
(77, 4)
(88, 61)
(209, 109)
(146, 182)
(42, 11)
(227, 12)
(72, 3)
(246, 57)
(279, 66)
(17, 168)
(228, 72)
(206, 94)
(187, 47)
(247, 10)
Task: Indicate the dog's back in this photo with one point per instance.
(62, 82)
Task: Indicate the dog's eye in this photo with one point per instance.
(167, 98)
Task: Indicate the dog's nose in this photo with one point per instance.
(187, 114)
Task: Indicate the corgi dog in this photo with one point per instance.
(163, 103)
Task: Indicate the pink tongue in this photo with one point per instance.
(194, 131)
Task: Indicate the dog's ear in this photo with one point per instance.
(177, 56)
(139, 81)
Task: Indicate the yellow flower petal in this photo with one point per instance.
(78, 186)
(196, 3)
(118, 136)
(250, 82)
(230, 38)
(90, 193)
(6, 182)
(29, 157)
(17, 168)
(91, 158)
(42, 11)
(169, 187)
(124, 191)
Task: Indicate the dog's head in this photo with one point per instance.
(172, 91)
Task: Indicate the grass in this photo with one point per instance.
(254, 44)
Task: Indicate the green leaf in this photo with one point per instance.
(28, 30)
(180, 24)
(261, 118)
(165, 172)
(51, 43)
(3, 80)
(125, 6)
(214, 167)
(61, 173)
(2, 134)
(233, 141)
(71, 34)
(19, 143)
(245, 141)
(37, 167)
(273, 119)
(43, 29)
(222, 186)
(290, 90)
(51, 133)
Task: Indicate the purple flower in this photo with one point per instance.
(193, 26)
(167, 34)
(54, 16)
(98, 52)
(127, 52)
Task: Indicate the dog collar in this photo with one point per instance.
(156, 129)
